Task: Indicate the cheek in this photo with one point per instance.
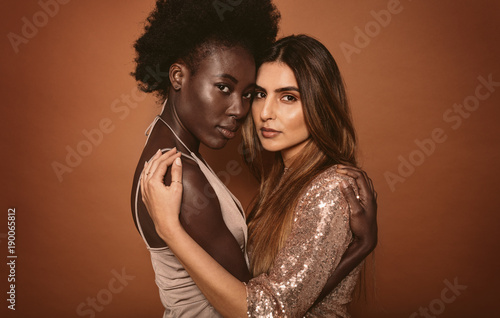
(302, 127)
(206, 100)
(296, 121)
(200, 94)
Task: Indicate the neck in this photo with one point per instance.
(287, 161)
(289, 155)
(169, 115)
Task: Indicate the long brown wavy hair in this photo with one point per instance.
(332, 141)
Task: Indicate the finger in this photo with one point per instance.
(143, 182)
(370, 182)
(359, 173)
(177, 174)
(341, 166)
(157, 159)
(358, 177)
(351, 171)
(147, 167)
(162, 165)
(363, 182)
(350, 196)
(141, 179)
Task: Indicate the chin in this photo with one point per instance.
(216, 144)
(268, 146)
(272, 149)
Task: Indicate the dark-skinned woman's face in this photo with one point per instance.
(216, 98)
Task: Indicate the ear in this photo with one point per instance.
(177, 73)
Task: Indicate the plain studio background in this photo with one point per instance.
(423, 81)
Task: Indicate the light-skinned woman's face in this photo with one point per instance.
(216, 98)
(277, 111)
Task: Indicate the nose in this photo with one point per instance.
(238, 109)
(267, 111)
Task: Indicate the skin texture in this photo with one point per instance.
(277, 106)
(277, 111)
(217, 97)
(224, 291)
(198, 107)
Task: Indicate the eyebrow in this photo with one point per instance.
(230, 77)
(286, 89)
(279, 90)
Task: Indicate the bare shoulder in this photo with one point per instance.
(200, 208)
(198, 193)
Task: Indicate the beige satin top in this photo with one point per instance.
(178, 293)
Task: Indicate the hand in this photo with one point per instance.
(363, 219)
(162, 202)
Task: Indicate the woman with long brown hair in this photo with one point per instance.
(299, 223)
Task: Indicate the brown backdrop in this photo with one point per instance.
(426, 120)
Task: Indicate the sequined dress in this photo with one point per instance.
(320, 235)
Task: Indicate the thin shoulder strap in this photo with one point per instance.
(163, 150)
(150, 127)
(176, 136)
(202, 163)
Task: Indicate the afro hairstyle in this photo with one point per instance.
(188, 30)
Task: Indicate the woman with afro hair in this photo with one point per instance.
(201, 57)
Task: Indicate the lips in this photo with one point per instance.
(228, 131)
(269, 132)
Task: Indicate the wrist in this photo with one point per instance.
(169, 229)
(365, 245)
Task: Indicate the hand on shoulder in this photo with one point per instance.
(363, 206)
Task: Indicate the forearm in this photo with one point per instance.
(356, 252)
(226, 293)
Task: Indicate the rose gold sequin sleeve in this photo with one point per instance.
(319, 236)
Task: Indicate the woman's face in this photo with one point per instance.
(216, 98)
(277, 111)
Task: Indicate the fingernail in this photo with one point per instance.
(344, 184)
(178, 162)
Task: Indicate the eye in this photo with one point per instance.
(223, 88)
(248, 95)
(289, 98)
(259, 95)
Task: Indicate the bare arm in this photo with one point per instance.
(224, 291)
(202, 219)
